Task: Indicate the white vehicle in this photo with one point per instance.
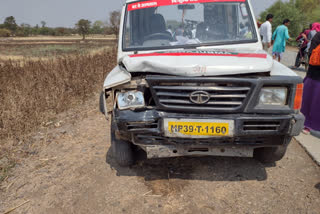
(192, 80)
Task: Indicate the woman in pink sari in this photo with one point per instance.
(316, 26)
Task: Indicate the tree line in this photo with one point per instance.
(300, 12)
(83, 27)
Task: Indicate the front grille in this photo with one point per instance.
(141, 126)
(222, 95)
(261, 125)
(150, 139)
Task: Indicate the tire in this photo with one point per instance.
(101, 104)
(269, 154)
(298, 61)
(122, 150)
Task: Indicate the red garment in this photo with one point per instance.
(305, 42)
(307, 32)
(259, 24)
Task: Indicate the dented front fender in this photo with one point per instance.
(116, 77)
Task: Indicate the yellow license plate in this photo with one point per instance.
(198, 128)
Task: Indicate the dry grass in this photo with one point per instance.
(32, 88)
(33, 91)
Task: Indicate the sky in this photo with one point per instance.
(65, 13)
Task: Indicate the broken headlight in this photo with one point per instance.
(273, 96)
(130, 99)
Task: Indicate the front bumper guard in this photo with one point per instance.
(150, 122)
(145, 129)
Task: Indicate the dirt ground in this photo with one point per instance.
(71, 170)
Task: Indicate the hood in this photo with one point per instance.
(200, 63)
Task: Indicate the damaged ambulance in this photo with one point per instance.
(192, 80)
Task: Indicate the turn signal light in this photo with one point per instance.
(298, 97)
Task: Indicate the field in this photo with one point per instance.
(41, 77)
(44, 46)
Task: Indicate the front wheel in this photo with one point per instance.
(269, 154)
(122, 150)
(272, 154)
(298, 61)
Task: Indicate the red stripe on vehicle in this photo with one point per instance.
(158, 3)
(247, 55)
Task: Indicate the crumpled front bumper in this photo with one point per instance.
(146, 130)
(255, 130)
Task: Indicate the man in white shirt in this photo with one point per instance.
(266, 32)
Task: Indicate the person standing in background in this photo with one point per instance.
(311, 91)
(303, 43)
(314, 29)
(280, 37)
(266, 32)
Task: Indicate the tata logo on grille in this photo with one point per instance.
(200, 97)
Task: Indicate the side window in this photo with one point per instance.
(127, 37)
(231, 19)
(137, 26)
(245, 25)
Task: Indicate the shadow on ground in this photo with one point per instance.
(300, 69)
(317, 186)
(194, 168)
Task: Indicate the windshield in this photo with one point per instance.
(171, 23)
